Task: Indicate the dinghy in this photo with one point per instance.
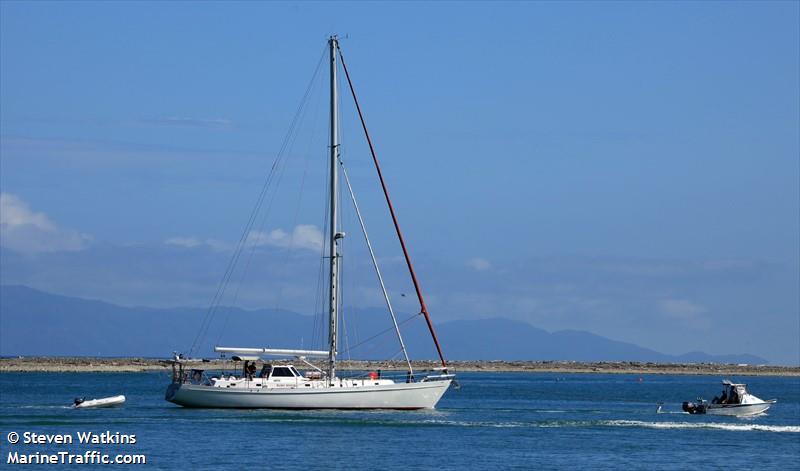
(82, 403)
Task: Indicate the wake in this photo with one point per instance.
(705, 425)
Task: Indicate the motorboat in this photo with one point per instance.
(735, 400)
(113, 401)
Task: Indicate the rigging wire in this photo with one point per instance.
(344, 245)
(423, 307)
(319, 318)
(375, 265)
(254, 245)
(273, 181)
(403, 322)
(222, 287)
(290, 249)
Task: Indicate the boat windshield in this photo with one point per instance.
(282, 372)
(731, 394)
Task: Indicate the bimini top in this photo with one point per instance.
(728, 382)
(245, 357)
(243, 351)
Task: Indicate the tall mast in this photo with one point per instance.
(335, 235)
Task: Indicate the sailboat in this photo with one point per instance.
(282, 385)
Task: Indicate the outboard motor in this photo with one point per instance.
(693, 408)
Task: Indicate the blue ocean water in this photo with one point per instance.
(496, 420)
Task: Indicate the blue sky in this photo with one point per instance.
(629, 169)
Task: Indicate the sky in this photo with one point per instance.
(629, 169)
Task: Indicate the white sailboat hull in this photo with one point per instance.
(422, 395)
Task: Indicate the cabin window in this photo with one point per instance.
(282, 371)
(296, 373)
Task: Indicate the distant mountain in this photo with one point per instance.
(36, 323)
(505, 339)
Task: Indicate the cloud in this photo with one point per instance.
(186, 242)
(304, 236)
(24, 230)
(479, 264)
(193, 242)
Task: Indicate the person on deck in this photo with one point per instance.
(250, 368)
(265, 371)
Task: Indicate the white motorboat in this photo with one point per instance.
(282, 386)
(113, 401)
(735, 400)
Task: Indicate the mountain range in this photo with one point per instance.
(33, 322)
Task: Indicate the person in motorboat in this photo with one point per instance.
(734, 399)
(78, 401)
(722, 399)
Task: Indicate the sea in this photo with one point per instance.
(493, 421)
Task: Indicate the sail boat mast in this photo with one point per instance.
(273, 389)
(335, 235)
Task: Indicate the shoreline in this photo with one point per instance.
(136, 365)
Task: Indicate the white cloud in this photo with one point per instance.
(24, 230)
(218, 245)
(304, 236)
(194, 242)
(186, 242)
(479, 264)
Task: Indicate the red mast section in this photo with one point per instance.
(422, 305)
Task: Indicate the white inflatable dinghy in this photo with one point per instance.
(82, 403)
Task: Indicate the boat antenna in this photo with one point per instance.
(422, 306)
